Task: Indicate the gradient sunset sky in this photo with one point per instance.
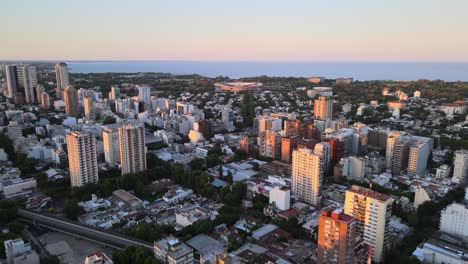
(240, 30)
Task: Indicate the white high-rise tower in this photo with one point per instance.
(460, 166)
(307, 175)
(82, 158)
(132, 148)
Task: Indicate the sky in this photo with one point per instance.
(235, 30)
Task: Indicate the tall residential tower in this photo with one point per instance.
(132, 148)
(61, 73)
(372, 211)
(70, 95)
(82, 158)
(307, 176)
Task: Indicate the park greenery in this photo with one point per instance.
(134, 255)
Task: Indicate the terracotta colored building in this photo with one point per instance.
(288, 144)
(336, 238)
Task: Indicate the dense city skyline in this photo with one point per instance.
(223, 132)
(237, 30)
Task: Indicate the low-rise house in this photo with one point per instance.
(206, 248)
(172, 251)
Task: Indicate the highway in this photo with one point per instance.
(104, 237)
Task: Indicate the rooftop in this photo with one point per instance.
(338, 215)
(369, 193)
(206, 245)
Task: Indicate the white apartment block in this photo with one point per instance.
(460, 166)
(111, 146)
(307, 176)
(372, 211)
(132, 148)
(454, 220)
(82, 158)
(281, 197)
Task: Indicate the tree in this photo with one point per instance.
(25, 164)
(7, 145)
(256, 166)
(108, 120)
(220, 172)
(212, 160)
(197, 164)
(16, 227)
(465, 144)
(7, 211)
(199, 227)
(156, 146)
(228, 215)
(150, 232)
(229, 177)
(259, 201)
(72, 210)
(134, 255)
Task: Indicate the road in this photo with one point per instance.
(104, 237)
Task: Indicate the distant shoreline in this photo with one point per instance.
(362, 71)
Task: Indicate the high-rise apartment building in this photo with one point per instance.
(418, 154)
(184, 108)
(27, 80)
(288, 144)
(114, 92)
(70, 96)
(392, 137)
(61, 73)
(45, 101)
(11, 79)
(372, 211)
(15, 130)
(264, 123)
(310, 131)
(132, 148)
(292, 127)
(144, 94)
(454, 220)
(400, 156)
(324, 149)
(336, 238)
(38, 92)
(460, 167)
(336, 149)
(111, 144)
(82, 158)
(307, 143)
(203, 126)
(21, 82)
(227, 116)
(89, 109)
(246, 144)
(323, 108)
(270, 144)
(307, 176)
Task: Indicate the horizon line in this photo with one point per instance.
(237, 61)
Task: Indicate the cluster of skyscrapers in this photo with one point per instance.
(123, 146)
(22, 84)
